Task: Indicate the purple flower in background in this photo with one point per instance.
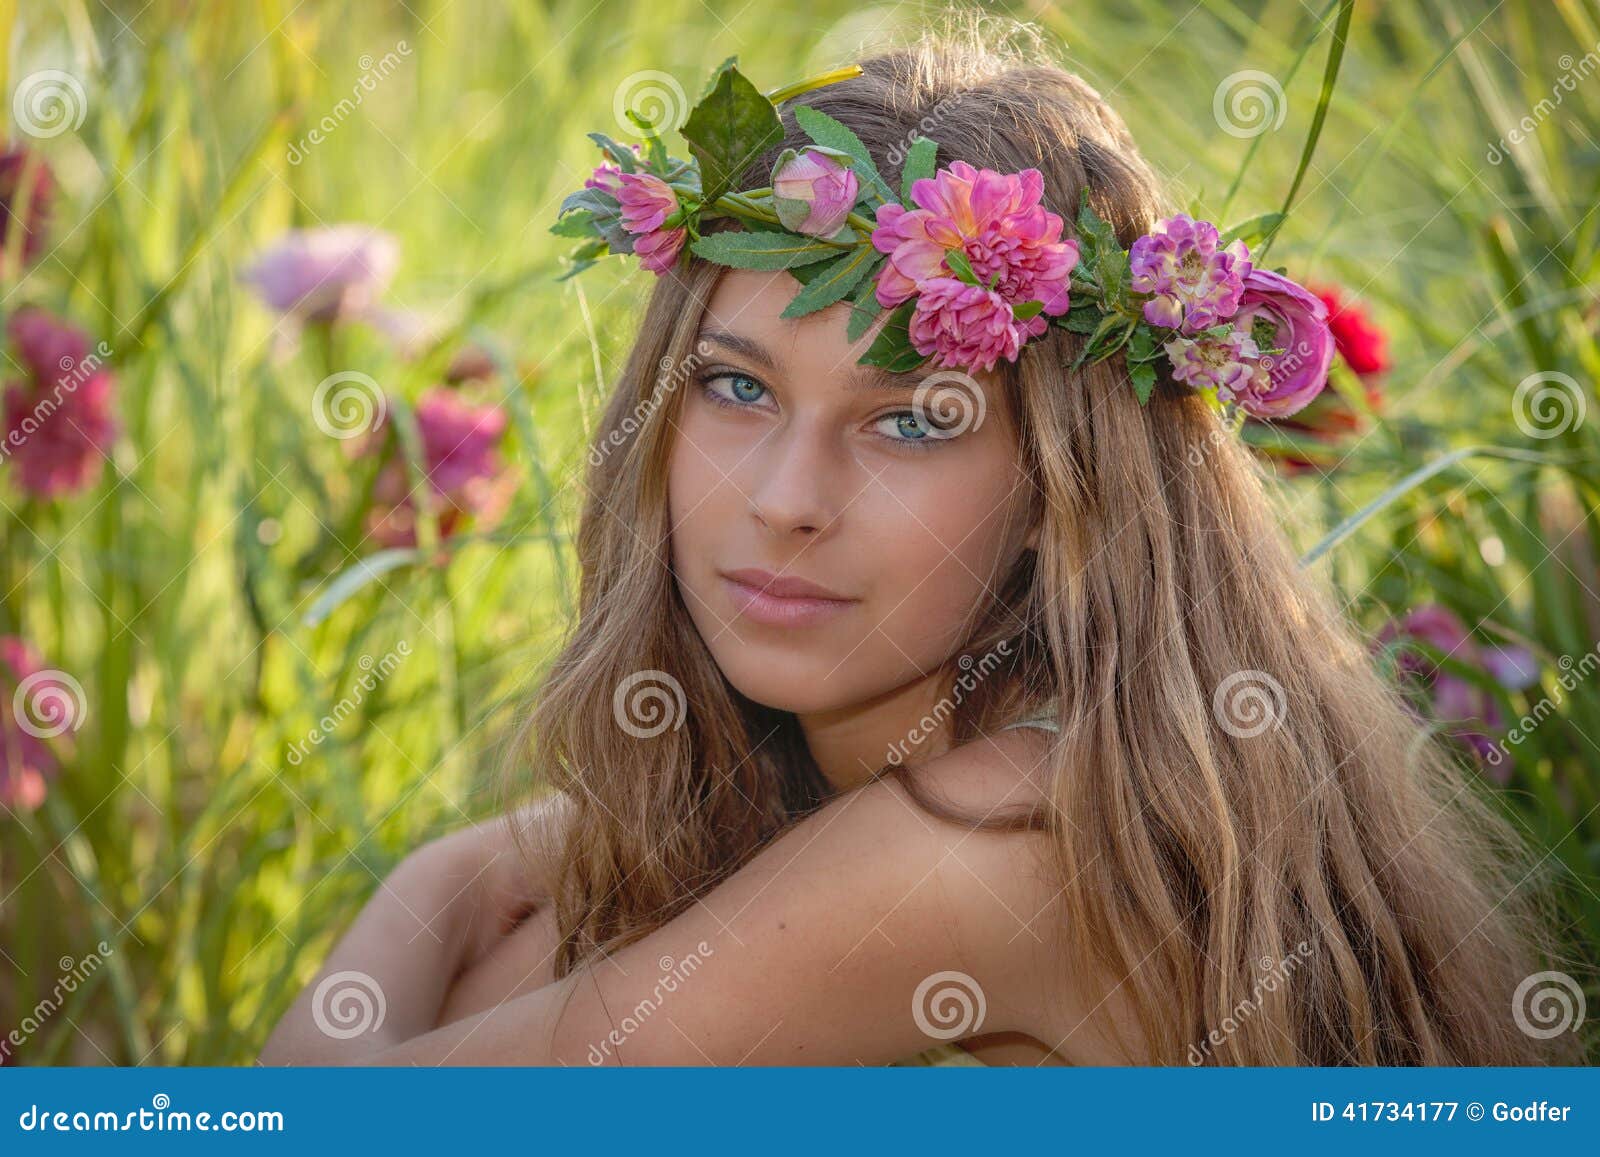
(25, 760)
(58, 423)
(1289, 325)
(1196, 284)
(39, 193)
(325, 273)
(813, 190)
(1455, 700)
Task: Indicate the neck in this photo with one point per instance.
(851, 743)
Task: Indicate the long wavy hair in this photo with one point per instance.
(1163, 606)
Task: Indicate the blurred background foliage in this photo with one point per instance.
(278, 677)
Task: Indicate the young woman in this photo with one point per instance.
(888, 735)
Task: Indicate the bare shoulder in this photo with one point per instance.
(852, 937)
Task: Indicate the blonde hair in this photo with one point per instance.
(1193, 844)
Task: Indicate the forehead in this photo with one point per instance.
(744, 319)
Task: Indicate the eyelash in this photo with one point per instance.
(917, 445)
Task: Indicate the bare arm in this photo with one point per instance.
(445, 908)
(831, 946)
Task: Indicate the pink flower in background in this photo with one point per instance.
(997, 222)
(33, 217)
(1196, 284)
(646, 202)
(59, 424)
(1455, 700)
(460, 444)
(25, 761)
(814, 190)
(1290, 328)
(325, 273)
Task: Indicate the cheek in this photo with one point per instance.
(943, 547)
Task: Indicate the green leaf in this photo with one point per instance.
(957, 261)
(1330, 77)
(625, 158)
(1103, 342)
(920, 160)
(864, 309)
(349, 581)
(731, 126)
(892, 348)
(1083, 318)
(578, 223)
(824, 130)
(742, 249)
(1027, 309)
(836, 280)
(1143, 376)
(1252, 231)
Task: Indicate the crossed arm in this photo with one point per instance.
(820, 950)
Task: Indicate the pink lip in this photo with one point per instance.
(787, 602)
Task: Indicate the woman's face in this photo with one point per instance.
(900, 496)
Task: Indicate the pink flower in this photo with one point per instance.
(326, 273)
(813, 191)
(25, 761)
(465, 476)
(646, 202)
(606, 174)
(1225, 363)
(58, 423)
(1290, 328)
(966, 326)
(1011, 241)
(33, 217)
(1196, 285)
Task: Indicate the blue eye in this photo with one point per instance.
(914, 429)
(745, 389)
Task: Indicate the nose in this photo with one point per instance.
(790, 482)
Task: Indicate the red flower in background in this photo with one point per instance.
(31, 217)
(466, 479)
(58, 421)
(1326, 427)
(1359, 342)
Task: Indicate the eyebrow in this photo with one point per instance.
(874, 377)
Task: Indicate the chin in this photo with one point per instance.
(787, 681)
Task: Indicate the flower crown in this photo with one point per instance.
(968, 261)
